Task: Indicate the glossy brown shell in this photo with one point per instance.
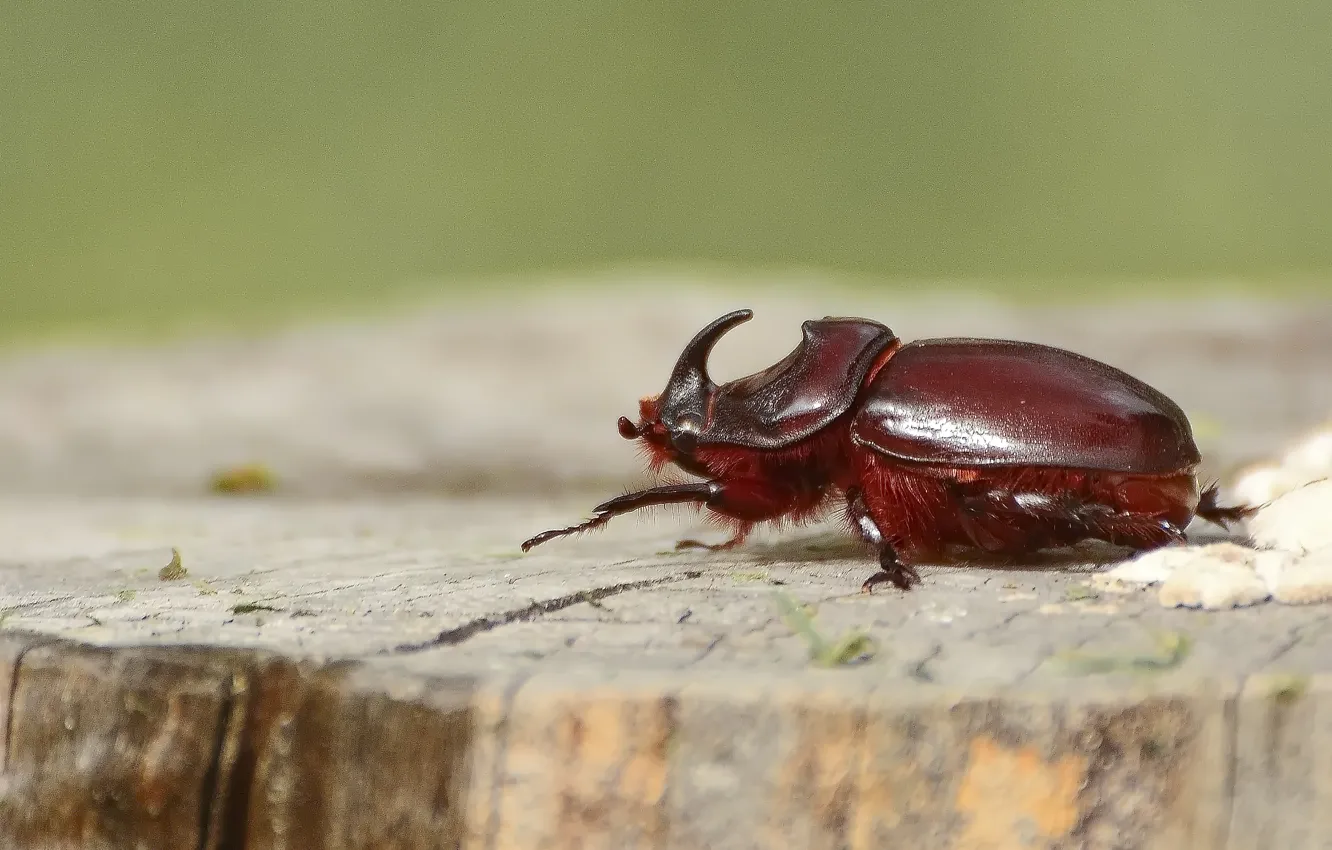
(981, 403)
(803, 392)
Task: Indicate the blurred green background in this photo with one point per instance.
(168, 160)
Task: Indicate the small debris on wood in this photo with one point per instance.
(252, 608)
(174, 571)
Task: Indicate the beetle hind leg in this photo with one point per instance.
(1002, 520)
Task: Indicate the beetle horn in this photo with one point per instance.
(690, 385)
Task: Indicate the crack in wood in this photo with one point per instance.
(27, 643)
(215, 833)
(465, 632)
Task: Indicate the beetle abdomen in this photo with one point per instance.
(974, 402)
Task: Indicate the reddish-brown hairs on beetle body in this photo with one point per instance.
(1005, 447)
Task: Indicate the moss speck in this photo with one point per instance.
(246, 478)
(749, 575)
(1288, 689)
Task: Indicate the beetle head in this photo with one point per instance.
(677, 416)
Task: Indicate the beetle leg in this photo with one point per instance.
(1121, 528)
(986, 529)
(891, 569)
(703, 492)
(1078, 517)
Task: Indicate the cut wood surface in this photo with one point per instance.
(365, 674)
(353, 660)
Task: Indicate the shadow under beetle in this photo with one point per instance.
(1006, 447)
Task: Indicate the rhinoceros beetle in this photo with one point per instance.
(1005, 447)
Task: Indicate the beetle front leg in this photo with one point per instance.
(891, 569)
(705, 492)
(749, 501)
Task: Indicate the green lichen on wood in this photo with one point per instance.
(1172, 648)
(1287, 690)
(852, 647)
(1080, 593)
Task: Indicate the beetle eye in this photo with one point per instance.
(684, 436)
(627, 429)
(685, 442)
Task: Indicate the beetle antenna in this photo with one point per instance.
(628, 429)
(699, 492)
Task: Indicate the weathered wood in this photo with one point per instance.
(548, 709)
(110, 749)
(1282, 763)
(344, 759)
(823, 763)
(189, 748)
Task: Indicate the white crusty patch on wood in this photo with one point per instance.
(1308, 460)
(1151, 567)
(1312, 455)
(1299, 521)
(1290, 561)
(1307, 581)
(1270, 564)
(1260, 484)
(1216, 577)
